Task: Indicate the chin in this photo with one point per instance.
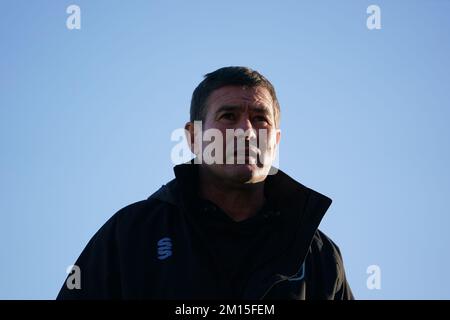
(245, 173)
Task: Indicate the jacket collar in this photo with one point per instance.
(281, 189)
(298, 206)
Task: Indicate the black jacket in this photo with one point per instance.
(152, 249)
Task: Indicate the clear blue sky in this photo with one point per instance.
(86, 117)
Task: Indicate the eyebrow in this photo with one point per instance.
(258, 108)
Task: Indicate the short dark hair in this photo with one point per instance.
(234, 76)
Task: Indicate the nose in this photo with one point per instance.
(247, 126)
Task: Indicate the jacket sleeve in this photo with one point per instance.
(343, 290)
(98, 265)
(331, 280)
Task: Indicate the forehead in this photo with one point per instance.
(241, 96)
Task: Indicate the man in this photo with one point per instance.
(232, 228)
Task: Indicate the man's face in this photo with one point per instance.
(248, 109)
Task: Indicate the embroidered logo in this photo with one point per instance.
(164, 248)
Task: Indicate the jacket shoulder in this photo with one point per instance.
(326, 259)
(161, 198)
(325, 245)
(328, 252)
(100, 261)
(154, 207)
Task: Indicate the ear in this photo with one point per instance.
(278, 136)
(190, 138)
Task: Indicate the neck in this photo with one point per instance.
(239, 201)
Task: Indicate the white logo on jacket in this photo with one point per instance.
(164, 248)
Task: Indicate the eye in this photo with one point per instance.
(228, 116)
(261, 119)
